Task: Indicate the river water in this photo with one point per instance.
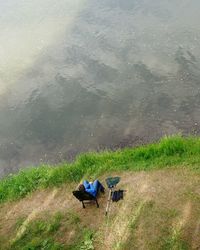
(85, 75)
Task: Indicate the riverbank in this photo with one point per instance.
(169, 152)
(160, 209)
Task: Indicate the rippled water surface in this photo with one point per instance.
(85, 75)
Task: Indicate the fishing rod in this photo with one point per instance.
(111, 183)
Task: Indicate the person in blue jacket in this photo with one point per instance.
(91, 187)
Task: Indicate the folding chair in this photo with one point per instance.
(83, 196)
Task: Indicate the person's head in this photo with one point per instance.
(81, 187)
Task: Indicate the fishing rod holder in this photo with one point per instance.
(111, 183)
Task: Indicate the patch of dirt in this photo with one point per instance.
(154, 204)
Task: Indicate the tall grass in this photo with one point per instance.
(170, 151)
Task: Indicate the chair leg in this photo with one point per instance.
(97, 203)
(83, 204)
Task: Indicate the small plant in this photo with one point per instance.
(19, 222)
(55, 223)
(42, 244)
(88, 241)
(74, 218)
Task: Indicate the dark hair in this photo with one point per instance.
(81, 187)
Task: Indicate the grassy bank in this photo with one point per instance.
(170, 151)
(41, 233)
(160, 210)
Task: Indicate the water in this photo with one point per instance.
(86, 75)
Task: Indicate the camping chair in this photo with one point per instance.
(84, 196)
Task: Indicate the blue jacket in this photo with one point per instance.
(89, 188)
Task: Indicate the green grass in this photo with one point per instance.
(175, 242)
(169, 152)
(45, 233)
(39, 235)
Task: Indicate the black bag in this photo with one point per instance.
(117, 195)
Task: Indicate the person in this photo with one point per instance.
(91, 188)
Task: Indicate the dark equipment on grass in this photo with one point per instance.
(83, 196)
(111, 183)
(117, 195)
